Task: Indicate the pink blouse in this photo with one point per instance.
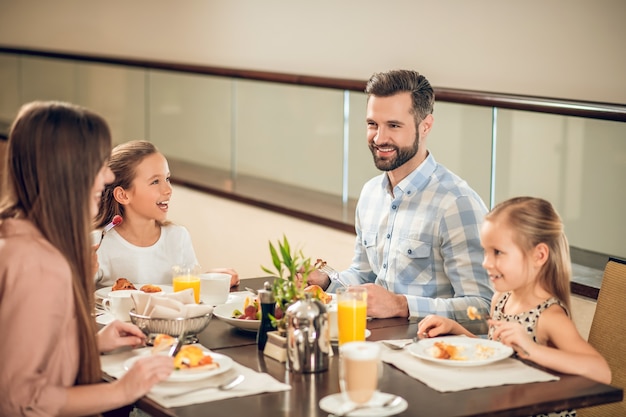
(39, 349)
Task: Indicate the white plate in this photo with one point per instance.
(185, 375)
(104, 292)
(368, 333)
(475, 351)
(335, 403)
(224, 312)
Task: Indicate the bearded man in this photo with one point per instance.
(417, 224)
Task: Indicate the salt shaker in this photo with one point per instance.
(268, 303)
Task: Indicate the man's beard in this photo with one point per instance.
(403, 155)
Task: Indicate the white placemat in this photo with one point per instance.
(254, 382)
(449, 378)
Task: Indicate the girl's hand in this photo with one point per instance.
(432, 326)
(119, 334)
(512, 334)
(144, 374)
(234, 276)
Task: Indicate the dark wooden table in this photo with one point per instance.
(307, 389)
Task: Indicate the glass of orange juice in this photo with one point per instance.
(351, 313)
(186, 277)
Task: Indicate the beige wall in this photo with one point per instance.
(557, 48)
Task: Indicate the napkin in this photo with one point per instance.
(169, 305)
(445, 378)
(254, 382)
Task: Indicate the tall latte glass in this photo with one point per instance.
(360, 370)
(351, 314)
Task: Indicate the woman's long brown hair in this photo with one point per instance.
(55, 152)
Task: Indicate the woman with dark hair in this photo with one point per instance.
(56, 170)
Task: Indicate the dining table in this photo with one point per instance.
(307, 389)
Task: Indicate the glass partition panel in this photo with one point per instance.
(9, 86)
(47, 79)
(190, 117)
(118, 94)
(290, 134)
(461, 140)
(360, 161)
(577, 164)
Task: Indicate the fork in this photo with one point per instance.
(332, 274)
(478, 316)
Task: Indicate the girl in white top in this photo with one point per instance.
(145, 246)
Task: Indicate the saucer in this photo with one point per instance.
(335, 403)
(103, 318)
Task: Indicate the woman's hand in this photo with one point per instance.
(144, 374)
(119, 334)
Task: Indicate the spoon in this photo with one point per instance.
(225, 386)
(391, 402)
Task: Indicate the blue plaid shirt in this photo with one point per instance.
(422, 241)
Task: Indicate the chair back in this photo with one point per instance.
(608, 333)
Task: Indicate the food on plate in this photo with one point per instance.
(319, 293)
(193, 357)
(123, 284)
(443, 350)
(187, 358)
(484, 352)
(162, 342)
(150, 288)
(251, 310)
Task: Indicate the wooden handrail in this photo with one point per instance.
(587, 109)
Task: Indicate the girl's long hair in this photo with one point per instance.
(55, 152)
(535, 221)
(123, 162)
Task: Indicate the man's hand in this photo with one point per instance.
(317, 277)
(383, 304)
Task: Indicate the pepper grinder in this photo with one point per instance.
(268, 303)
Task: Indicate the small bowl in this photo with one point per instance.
(173, 327)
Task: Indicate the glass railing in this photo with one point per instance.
(302, 148)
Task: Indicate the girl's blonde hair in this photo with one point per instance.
(123, 162)
(55, 151)
(535, 221)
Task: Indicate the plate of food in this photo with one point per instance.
(191, 364)
(460, 350)
(242, 313)
(124, 284)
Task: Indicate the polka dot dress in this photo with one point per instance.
(528, 319)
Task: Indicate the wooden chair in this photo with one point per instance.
(608, 333)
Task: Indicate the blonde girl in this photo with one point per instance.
(527, 258)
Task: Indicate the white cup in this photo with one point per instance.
(214, 288)
(119, 303)
(360, 370)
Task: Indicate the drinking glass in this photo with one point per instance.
(186, 277)
(360, 370)
(351, 313)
